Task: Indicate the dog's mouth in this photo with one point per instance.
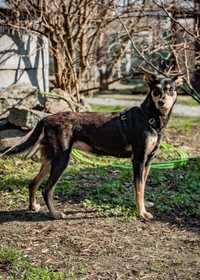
(164, 107)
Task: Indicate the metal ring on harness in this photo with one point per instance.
(152, 121)
(123, 117)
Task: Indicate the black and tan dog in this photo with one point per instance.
(134, 133)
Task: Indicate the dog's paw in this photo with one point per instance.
(146, 215)
(58, 215)
(35, 207)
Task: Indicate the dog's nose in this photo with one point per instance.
(161, 103)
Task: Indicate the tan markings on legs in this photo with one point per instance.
(151, 143)
(33, 186)
(139, 195)
(146, 172)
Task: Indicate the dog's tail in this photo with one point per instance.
(29, 142)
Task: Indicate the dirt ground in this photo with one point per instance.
(97, 247)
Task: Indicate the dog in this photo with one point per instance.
(134, 133)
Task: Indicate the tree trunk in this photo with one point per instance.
(104, 79)
(66, 76)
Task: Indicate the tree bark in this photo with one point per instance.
(104, 78)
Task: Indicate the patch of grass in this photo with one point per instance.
(102, 189)
(177, 190)
(168, 152)
(112, 198)
(14, 265)
(15, 175)
(187, 100)
(109, 190)
(20, 169)
(183, 124)
(107, 108)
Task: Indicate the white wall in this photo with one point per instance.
(24, 59)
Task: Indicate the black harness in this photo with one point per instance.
(153, 122)
(123, 126)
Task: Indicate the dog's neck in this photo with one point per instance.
(152, 113)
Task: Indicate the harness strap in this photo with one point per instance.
(124, 126)
(154, 123)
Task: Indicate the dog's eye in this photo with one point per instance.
(156, 92)
(171, 91)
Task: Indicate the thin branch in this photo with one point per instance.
(137, 50)
(176, 21)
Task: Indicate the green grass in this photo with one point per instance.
(182, 124)
(109, 108)
(18, 266)
(101, 189)
(108, 190)
(187, 100)
(14, 180)
(177, 191)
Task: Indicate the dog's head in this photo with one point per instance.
(162, 92)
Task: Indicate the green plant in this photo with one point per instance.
(18, 266)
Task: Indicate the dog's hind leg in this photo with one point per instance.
(57, 167)
(34, 184)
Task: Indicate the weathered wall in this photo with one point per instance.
(24, 59)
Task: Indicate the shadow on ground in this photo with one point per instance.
(107, 192)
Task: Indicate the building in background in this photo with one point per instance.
(24, 58)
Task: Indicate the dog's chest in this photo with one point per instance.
(151, 143)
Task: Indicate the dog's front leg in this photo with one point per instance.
(140, 175)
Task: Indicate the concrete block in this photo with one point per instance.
(25, 118)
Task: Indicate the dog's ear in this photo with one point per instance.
(150, 78)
